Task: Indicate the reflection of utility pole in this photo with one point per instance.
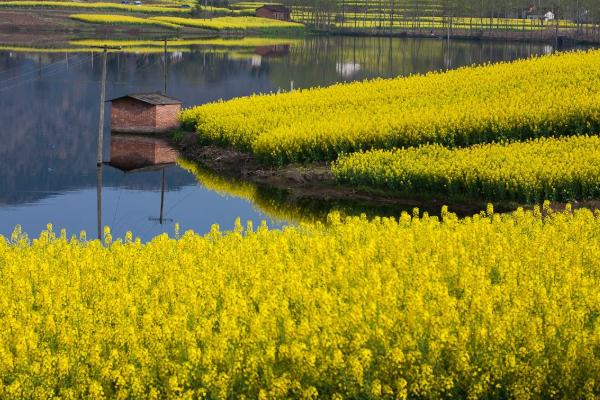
(40, 67)
(99, 199)
(101, 116)
(447, 57)
(165, 69)
(162, 195)
(161, 217)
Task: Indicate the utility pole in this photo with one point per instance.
(101, 116)
(99, 199)
(99, 155)
(165, 69)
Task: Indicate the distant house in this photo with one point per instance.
(274, 11)
(532, 13)
(549, 16)
(144, 113)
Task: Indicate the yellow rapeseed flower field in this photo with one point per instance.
(113, 19)
(545, 96)
(492, 306)
(546, 168)
(213, 42)
(232, 23)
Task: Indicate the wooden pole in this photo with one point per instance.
(99, 199)
(101, 116)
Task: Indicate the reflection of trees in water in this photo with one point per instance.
(323, 60)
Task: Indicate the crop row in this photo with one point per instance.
(214, 42)
(231, 23)
(546, 96)
(556, 169)
(220, 23)
(112, 19)
(491, 306)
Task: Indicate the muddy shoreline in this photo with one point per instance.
(314, 182)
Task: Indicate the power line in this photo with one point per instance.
(30, 80)
(44, 68)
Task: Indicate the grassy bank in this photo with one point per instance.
(487, 307)
(546, 96)
(556, 169)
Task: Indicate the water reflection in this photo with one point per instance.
(134, 154)
(49, 119)
(315, 203)
(131, 153)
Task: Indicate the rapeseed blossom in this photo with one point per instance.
(491, 306)
(547, 168)
(545, 96)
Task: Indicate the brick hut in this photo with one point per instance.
(144, 113)
(274, 11)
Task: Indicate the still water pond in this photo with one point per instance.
(49, 104)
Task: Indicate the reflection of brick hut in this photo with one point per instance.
(273, 51)
(137, 153)
(274, 11)
(144, 113)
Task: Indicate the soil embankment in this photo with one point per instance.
(313, 182)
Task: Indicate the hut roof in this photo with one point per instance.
(157, 99)
(275, 8)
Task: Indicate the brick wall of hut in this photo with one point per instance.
(167, 116)
(129, 114)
